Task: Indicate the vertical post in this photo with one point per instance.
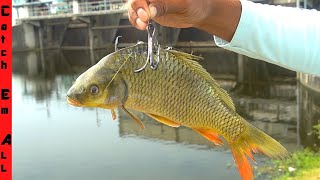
(105, 4)
(240, 68)
(90, 34)
(24, 12)
(30, 35)
(298, 99)
(86, 6)
(91, 41)
(92, 59)
(75, 7)
(17, 9)
(49, 36)
(41, 36)
(298, 6)
(305, 4)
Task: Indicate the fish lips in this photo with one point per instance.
(73, 102)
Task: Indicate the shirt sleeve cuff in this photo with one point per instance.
(242, 26)
(241, 34)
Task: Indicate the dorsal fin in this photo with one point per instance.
(190, 60)
(185, 55)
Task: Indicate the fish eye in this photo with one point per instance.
(94, 89)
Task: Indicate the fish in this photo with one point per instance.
(179, 92)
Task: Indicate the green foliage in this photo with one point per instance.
(300, 162)
(317, 130)
(303, 165)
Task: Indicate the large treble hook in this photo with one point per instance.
(152, 43)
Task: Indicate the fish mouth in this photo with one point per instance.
(73, 102)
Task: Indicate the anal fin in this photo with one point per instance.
(134, 117)
(164, 120)
(210, 135)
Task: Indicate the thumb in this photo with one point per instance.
(156, 10)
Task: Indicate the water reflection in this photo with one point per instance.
(159, 131)
(65, 135)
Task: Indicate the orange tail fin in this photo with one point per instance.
(254, 140)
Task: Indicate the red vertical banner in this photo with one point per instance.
(5, 89)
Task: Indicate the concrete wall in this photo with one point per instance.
(88, 34)
(76, 37)
(130, 35)
(104, 37)
(53, 31)
(310, 81)
(25, 37)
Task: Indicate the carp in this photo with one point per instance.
(179, 92)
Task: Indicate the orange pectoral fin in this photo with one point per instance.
(134, 118)
(210, 135)
(164, 120)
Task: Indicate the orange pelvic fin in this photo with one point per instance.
(210, 135)
(164, 120)
(114, 114)
(134, 118)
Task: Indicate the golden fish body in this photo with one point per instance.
(178, 92)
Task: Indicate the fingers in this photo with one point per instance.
(143, 15)
(137, 4)
(141, 7)
(140, 13)
(135, 20)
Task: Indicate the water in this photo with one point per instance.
(53, 140)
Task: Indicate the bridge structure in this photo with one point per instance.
(86, 24)
(77, 24)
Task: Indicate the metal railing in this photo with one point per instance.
(50, 8)
(104, 5)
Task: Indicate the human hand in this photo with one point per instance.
(218, 17)
(172, 13)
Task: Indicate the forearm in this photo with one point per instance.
(222, 18)
(288, 37)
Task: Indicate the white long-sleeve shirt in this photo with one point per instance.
(288, 37)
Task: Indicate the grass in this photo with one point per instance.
(304, 165)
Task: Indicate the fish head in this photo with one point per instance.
(99, 86)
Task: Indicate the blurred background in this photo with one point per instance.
(55, 41)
